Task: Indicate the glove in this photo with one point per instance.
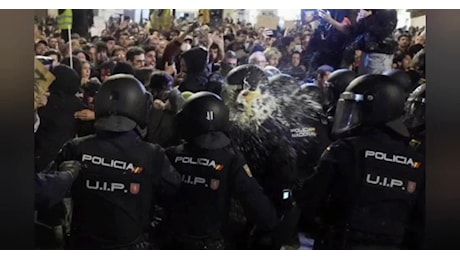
(73, 167)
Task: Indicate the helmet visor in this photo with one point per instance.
(348, 114)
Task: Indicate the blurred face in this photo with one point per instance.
(273, 61)
(260, 61)
(174, 34)
(101, 56)
(306, 41)
(124, 40)
(53, 43)
(214, 53)
(110, 45)
(403, 42)
(295, 59)
(139, 61)
(92, 53)
(142, 34)
(81, 56)
(322, 81)
(154, 40)
(150, 59)
(120, 55)
(232, 62)
(55, 60)
(86, 70)
(161, 48)
(241, 38)
(41, 49)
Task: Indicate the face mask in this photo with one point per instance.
(246, 45)
(185, 47)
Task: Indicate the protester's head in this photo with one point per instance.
(136, 57)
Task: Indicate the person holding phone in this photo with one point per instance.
(372, 34)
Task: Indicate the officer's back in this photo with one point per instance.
(122, 176)
(373, 181)
(211, 171)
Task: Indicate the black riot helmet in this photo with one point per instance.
(313, 91)
(202, 113)
(414, 111)
(339, 80)
(247, 76)
(283, 85)
(402, 78)
(369, 101)
(121, 104)
(272, 71)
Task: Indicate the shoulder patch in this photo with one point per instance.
(247, 170)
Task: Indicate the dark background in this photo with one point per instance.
(16, 131)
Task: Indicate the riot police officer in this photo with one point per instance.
(337, 83)
(372, 181)
(414, 118)
(403, 78)
(122, 176)
(211, 170)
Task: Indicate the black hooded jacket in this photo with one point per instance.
(197, 75)
(57, 122)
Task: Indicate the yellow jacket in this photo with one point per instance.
(65, 19)
(161, 19)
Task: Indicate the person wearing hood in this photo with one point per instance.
(194, 63)
(166, 103)
(57, 118)
(50, 186)
(57, 126)
(369, 184)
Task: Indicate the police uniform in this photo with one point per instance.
(375, 195)
(212, 171)
(371, 193)
(122, 176)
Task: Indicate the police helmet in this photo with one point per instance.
(402, 78)
(203, 112)
(369, 100)
(247, 76)
(271, 71)
(121, 104)
(414, 111)
(313, 91)
(283, 84)
(339, 80)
